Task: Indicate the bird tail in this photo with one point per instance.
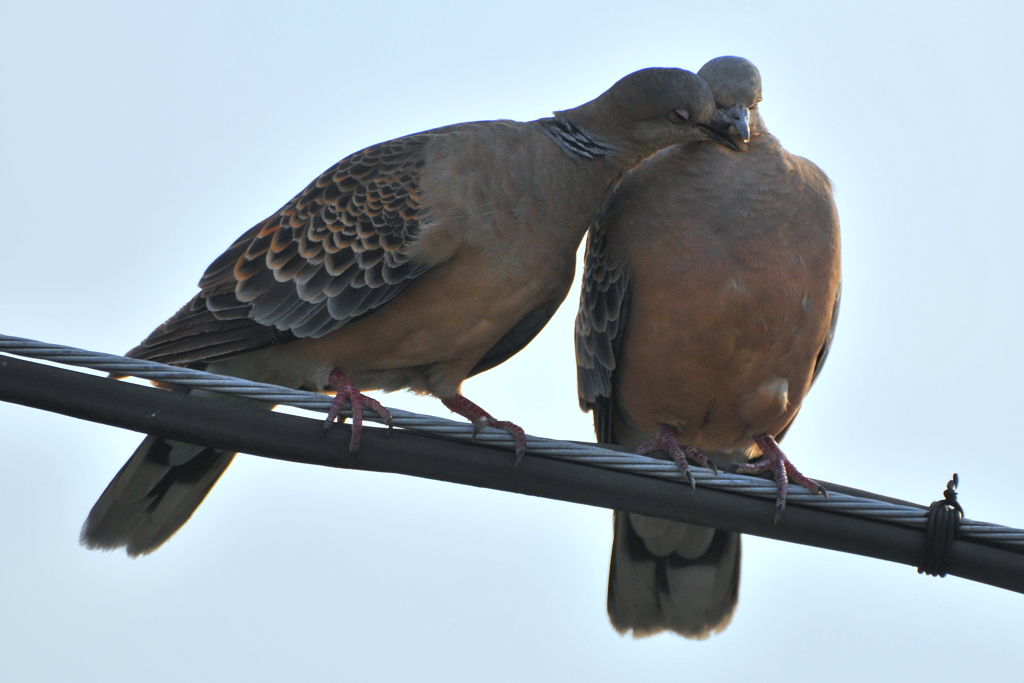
(667, 575)
(153, 495)
(672, 576)
(155, 492)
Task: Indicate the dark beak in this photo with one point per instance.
(720, 136)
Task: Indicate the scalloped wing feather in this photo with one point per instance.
(334, 253)
(600, 323)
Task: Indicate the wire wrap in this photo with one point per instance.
(944, 518)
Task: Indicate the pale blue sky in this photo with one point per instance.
(137, 142)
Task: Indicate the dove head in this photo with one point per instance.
(648, 110)
(736, 86)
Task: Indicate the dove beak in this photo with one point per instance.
(739, 119)
(720, 136)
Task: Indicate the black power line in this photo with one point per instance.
(247, 429)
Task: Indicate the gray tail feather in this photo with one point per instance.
(666, 575)
(153, 495)
(672, 576)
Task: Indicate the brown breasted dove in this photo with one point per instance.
(412, 264)
(711, 291)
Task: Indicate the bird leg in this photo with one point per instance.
(347, 393)
(481, 418)
(772, 458)
(666, 441)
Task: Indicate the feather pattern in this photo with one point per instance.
(334, 253)
(575, 141)
(604, 309)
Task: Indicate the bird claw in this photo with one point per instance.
(347, 393)
(666, 441)
(479, 424)
(772, 458)
(780, 505)
(514, 430)
(517, 433)
(520, 451)
(480, 418)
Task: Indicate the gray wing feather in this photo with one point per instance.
(517, 338)
(600, 324)
(819, 362)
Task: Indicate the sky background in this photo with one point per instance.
(137, 141)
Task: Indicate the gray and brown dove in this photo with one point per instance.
(412, 264)
(711, 291)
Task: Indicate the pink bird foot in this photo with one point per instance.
(782, 469)
(461, 405)
(347, 393)
(666, 441)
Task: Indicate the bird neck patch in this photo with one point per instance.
(575, 141)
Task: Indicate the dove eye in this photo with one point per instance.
(678, 116)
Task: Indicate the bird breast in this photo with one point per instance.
(731, 301)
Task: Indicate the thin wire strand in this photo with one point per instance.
(592, 455)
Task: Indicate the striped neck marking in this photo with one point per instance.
(575, 141)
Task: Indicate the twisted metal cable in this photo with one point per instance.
(593, 455)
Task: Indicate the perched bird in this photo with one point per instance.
(710, 297)
(412, 264)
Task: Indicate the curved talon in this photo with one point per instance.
(780, 505)
(347, 393)
(517, 433)
(666, 441)
(772, 458)
(480, 418)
